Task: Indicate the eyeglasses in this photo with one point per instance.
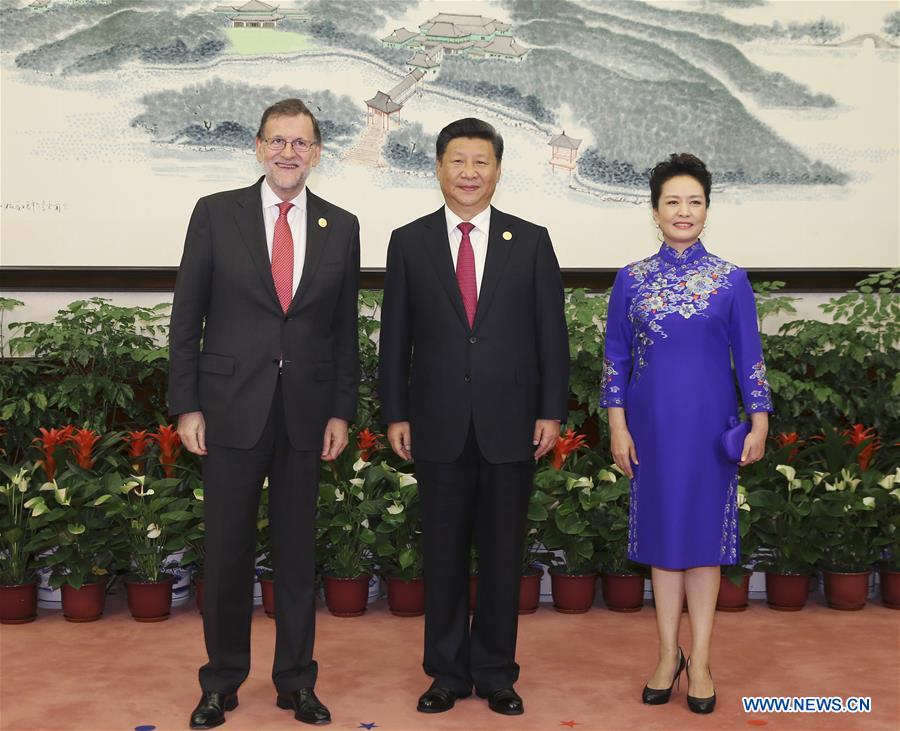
(277, 144)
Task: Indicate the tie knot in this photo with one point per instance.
(466, 227)
(284, 207)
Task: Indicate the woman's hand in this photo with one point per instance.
(755, 441)
(621, 444)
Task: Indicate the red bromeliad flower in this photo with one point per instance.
(169, 447)
(81, 445)
(49, 440)
(368, 444)
(137, 442)
(566, 444)
(859, 434)
(786, 438)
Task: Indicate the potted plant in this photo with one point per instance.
(265, 573)
(570, 529)
(621, 580)
(734, 589)
(887, 512)
(345, 536)
(195, 542)
(398, 543)
(789, 544)
(18, 586)
(77, 539)
(845, 514)
(154, 516)
(534, 555)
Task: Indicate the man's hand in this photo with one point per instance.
(192, 431)
(400, 439)
(335, 439)
(546, 432)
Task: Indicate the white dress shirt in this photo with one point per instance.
(478, 237)
(296, 220)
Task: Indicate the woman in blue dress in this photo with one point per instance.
(676, 320)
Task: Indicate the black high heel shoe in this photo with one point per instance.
(700, 705)
(658, 696)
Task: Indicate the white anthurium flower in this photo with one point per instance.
(48, 486)
(789, 472)
(582, 482)
(62, 496)
(585, 490)
(606, 476)
(348, 528)
(20, 482)
(365, 523)
(818, 477)
(153, 531)
(848, 477)
(338, 494)
(198, 494)
(76, 529)
(37, 506)
(846, 508)
(616, 468)
(360, 465)
(869, 502)
(888, 481)
(835, 486)
(896, 493)
(5, 488)
(265, 484)
(742, 498)
(395, 509)
(357, 481)
(406, 479)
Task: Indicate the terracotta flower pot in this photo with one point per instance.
(406, 598)
(198, 585)
(846, 590)
(347, 597)
(150, 601)
(473, 592)
(622, 592)
(734, 598)
(18, 603)
(85, 604)
(890, 587)
(573, 594)
(530, 590)
(786, 592)
(268, 596)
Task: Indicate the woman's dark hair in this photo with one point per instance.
(469, 127)
(682, 163)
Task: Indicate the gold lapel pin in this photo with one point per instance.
(323, 223)
(507, 235)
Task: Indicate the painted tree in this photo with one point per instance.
(891, 25)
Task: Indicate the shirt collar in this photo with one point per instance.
(690, 254)
(481, 221)
(270, 199)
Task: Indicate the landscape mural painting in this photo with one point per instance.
(118, 114)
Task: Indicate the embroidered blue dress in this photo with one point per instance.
(674, 324)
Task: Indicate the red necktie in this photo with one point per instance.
(283, 257)
(465, 272)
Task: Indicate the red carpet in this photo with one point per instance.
(118, 675)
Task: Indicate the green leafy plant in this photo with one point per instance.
(611, 521)
(369, 326)
(154, 516)
(398, 535)
(16, 491)
(887, 513)
(586, 320)
(73, 534)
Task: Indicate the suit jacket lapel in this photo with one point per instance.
(498, 251)
(316, 238)
(442, 260)
(248, 216)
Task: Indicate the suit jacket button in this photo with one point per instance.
(473, 340)
(468, 378)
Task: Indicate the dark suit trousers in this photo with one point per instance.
(233, 480)
(458, 498)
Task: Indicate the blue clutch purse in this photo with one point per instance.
(733, 438)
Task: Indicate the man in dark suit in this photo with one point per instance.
(474, 382)
(263, 378)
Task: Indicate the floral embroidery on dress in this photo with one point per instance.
(609, 388)
(632, 519)
(728, 548)
(761, 388)
(681, 284)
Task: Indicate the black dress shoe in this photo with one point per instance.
(438, 699)
(700, 705)
(210, 711)
(658, 696)
(505, 701)
(307, 708)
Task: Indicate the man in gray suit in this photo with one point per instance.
(263, 379)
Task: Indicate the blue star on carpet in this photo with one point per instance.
(368, 725)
